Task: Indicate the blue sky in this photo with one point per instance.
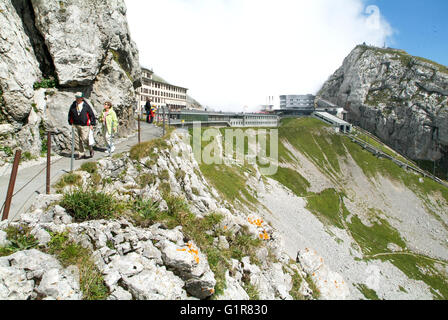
(421, 26)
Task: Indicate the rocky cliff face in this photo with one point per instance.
(400, 98)
(52, 49)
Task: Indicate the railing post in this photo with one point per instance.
(48, 162)
(169, 117)
(12, 182)
(163, 120)
(138, 125)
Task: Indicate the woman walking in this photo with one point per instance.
(110, 126)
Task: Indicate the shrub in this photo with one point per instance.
(90, 205)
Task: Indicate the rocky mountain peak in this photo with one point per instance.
(400, 98)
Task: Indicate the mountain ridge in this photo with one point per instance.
(397, 97)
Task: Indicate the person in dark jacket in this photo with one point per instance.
(148, 110)
(81, 116)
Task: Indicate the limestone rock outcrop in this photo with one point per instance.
(400, 98)
(151, 261)
(52, 49)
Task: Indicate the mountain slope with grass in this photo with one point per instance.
(334, 222)
(382, 228)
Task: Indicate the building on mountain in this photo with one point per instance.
(160, 92)
(298, 102)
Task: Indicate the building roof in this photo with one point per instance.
(332, 118)
(212, 113)
(159, 79)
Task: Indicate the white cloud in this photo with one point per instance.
(232, 53)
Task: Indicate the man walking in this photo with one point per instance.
(81, 116)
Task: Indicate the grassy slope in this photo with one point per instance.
(326, 149)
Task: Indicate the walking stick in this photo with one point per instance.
(111, 138)
(73, 150)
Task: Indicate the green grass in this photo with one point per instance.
(297, 281)
(46, 83)
(251, 290)
(147, 149)
(230, 183)
(292, 180)
(422, 269)
(90, 204)
(70, 253)
(7, 150)
(438, 66)
(381, 146)
(145, 212)
(20, 239)
(372, 166)
(308, 135)
(69, 179)
(145, 179)
(374, 240)
(368, 293)
(311, 139)
(326, 206)
(229, 180)
(89, 167)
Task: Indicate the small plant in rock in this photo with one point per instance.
(177, 206)
(46, 83)
(146, 212)
(69, 179)
(20, 239)
(251, 290)
(90, 205)
(69, 253)
(7, 150)
(245, 245)
(89, 167)
(145, 180)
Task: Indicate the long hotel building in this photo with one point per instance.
(160, 92)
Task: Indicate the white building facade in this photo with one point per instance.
(160, 92)
(301, 102)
